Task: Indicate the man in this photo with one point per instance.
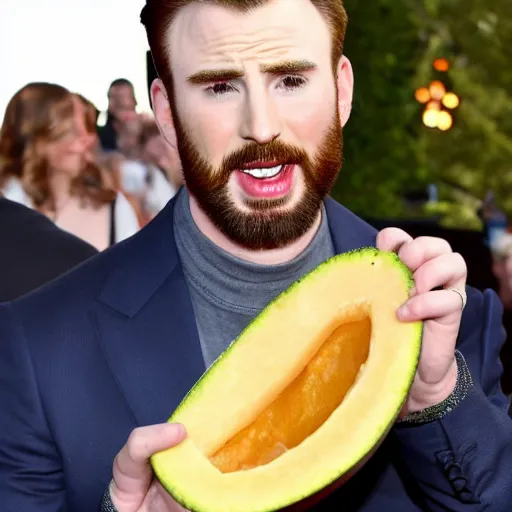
(34, 250)
(253, 96)
(121, 105)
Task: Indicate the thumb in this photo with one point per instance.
(132, 473)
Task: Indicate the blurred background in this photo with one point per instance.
(81, 44)
(412, 170)
(412, 167)
(441, 166)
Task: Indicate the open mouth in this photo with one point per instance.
(266, 179)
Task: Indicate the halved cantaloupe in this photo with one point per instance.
(303, 396)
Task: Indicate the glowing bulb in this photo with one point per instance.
(437, 90)
(422, 95)
(433, 105)
(444, 120)
(451, 100)
(430, 118)
(441, 65)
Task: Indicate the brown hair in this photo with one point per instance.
(91, 113)
(38, 114)
(157, 16)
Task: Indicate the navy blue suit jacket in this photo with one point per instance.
(113, 345)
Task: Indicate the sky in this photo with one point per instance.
(80, 44)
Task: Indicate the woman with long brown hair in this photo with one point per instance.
(48, 162)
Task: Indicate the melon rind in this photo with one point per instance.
(198, 504)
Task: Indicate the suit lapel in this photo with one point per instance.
(348, 232)
(156, 356)
(146, 324)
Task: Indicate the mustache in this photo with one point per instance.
(275, 151)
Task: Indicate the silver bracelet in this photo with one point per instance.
(438, 411)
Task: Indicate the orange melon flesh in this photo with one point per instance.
(305, 404)
(305, 393)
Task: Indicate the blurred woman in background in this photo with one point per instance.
(48, 161)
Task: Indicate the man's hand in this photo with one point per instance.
(438, 300)
(133, 488)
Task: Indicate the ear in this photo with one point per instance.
(345, 83)
(163, 113)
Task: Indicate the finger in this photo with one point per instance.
(422, 249)
(447, 271)
(132, 472)
(431, 306)
(391, 239)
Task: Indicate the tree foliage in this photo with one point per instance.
(476, 155)
(388, 151)
(380, 137)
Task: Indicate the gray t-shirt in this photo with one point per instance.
(227, 292)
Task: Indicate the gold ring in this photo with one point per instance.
(462, 296)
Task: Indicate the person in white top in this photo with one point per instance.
(144, 168)
(47, 163)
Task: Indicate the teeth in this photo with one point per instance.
(268, 172)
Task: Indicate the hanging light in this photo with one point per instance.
(430, 118)
(451, 100)
(433, 105)
(444, 120)
(422, 95)
(437, 90)
(441, 65)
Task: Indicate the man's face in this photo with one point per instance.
(121, 100)
(256, 117)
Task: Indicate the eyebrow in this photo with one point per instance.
(224, 75)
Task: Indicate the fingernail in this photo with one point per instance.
(403, 311)
(182, 430)
(412, 291)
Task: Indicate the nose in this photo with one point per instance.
(260, 120)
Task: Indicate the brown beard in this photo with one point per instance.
(267, 226)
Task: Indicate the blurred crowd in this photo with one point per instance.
(101, 183)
